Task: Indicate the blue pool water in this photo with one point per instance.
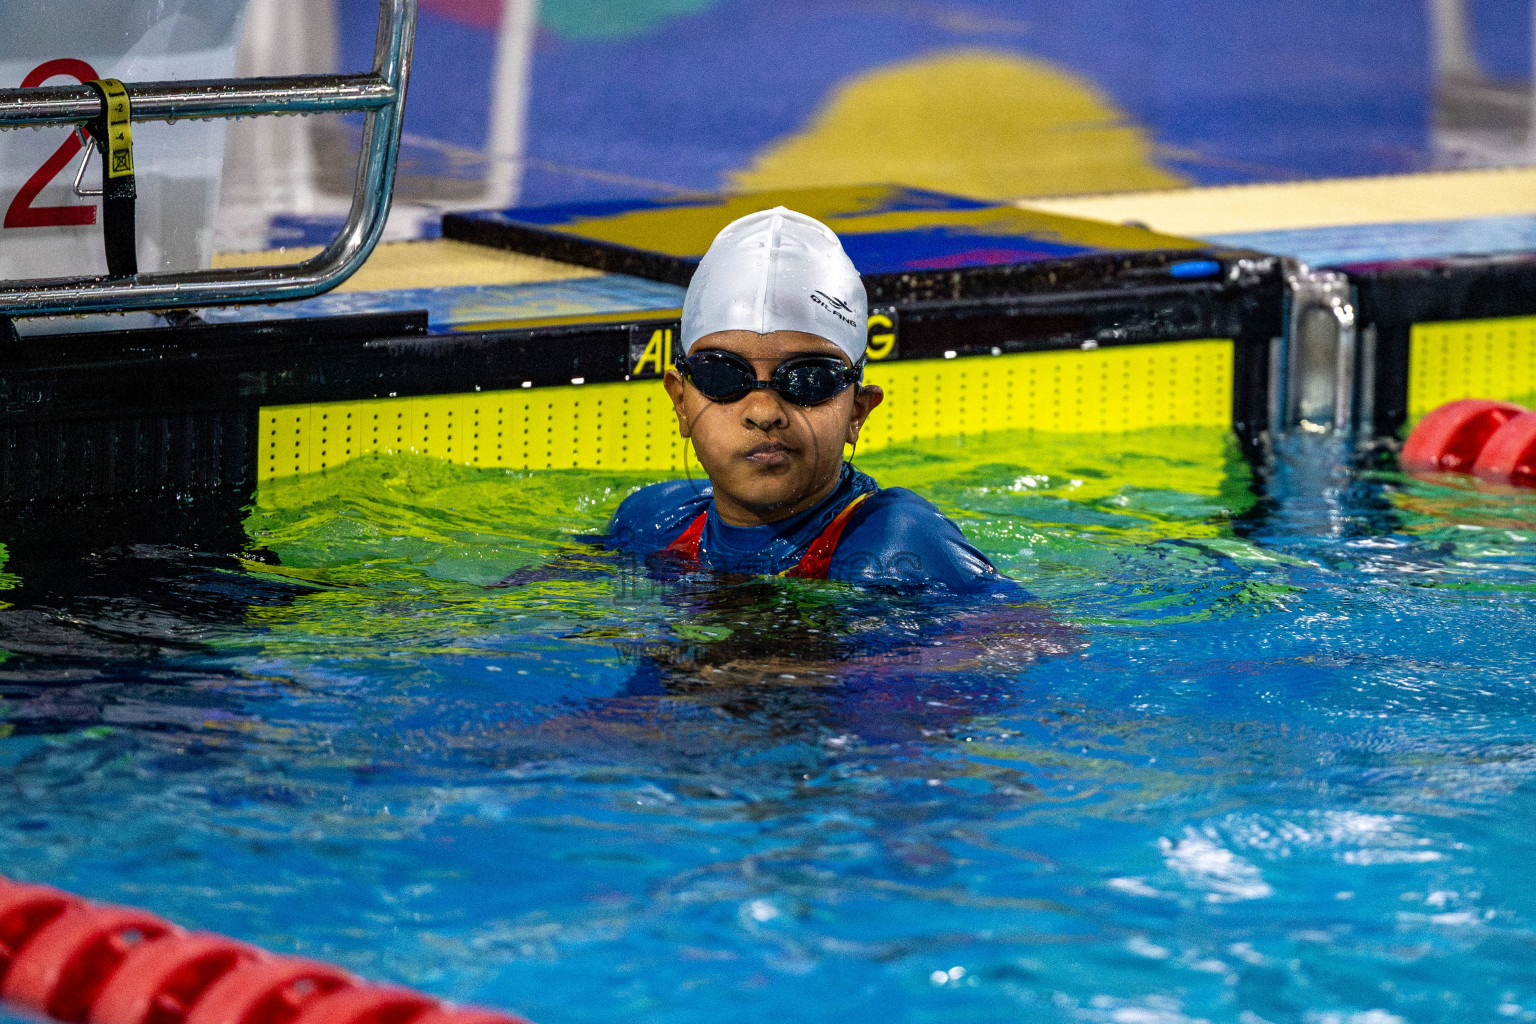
(1265, 753)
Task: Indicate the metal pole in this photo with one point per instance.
(169, 101)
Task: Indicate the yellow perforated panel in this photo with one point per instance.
(1107, 390)
(583, 426)
(1470, 359)
(632, 426)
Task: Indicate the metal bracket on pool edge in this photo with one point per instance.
(380, 95)
(1313, 379)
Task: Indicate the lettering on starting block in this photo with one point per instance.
(650, 349)
(650, 345)
(882, 334)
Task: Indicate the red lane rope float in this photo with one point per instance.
(373, 1005)
(1509, 457)
(1450, 438)
(86, 963)
(63, 967)
(25, 910)
(158, 982)
(459, 1015)
(271, 990)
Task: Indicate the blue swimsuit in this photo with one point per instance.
(893, 537)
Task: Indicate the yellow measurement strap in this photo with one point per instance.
(118, 148)
(119, 192)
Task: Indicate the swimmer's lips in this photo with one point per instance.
(770, 455)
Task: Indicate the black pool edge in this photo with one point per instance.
(125, 422)
(1391, 297)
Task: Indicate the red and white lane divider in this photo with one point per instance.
(89, 963)
(1492, 440)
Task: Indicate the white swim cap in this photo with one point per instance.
(778, 270)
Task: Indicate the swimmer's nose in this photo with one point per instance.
(762, 410)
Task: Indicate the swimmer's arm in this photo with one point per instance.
(981, 615)
(905, 542)
(653, 516)
(965, 633)
(1010, 637)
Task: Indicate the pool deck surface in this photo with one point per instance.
(1340, 221)
(1323, 223)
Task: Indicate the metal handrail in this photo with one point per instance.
(167, 101)
(379, 94)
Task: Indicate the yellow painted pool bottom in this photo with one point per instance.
(632, 426)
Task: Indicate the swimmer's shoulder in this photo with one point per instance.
(653, 516)
(897, 536)
(893, 518)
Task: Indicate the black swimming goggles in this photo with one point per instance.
(804, 380)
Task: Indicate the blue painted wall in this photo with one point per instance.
(642, 97)
(1232, 90)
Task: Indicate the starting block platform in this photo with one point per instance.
(1438, 272)
(907, 243)
(984, 318)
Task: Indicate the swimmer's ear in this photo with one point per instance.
(864, 401)
(673, 382)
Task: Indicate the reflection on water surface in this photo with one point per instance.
(1258, 752)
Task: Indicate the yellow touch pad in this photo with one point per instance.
(1470, 359)
(631, 425)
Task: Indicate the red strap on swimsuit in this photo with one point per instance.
(686, 546)
(817, 560)
(813, 565)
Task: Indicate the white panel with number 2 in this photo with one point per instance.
(48, 231)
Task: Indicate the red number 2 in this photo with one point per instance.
(21, 213)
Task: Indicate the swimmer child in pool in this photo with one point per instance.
(768, 389)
